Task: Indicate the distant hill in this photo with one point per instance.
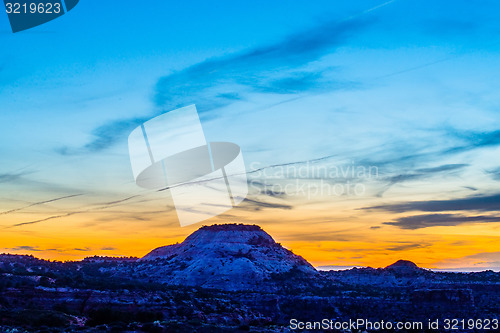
(403, 264)
(229, 256)
(405, 267)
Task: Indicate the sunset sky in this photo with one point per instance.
(370, 129)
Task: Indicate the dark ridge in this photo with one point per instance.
(403, 263)
(109, 259)
(231, 227)
(22, 257)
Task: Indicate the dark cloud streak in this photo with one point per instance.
(255, 205)
(40, 203)
(436, 220)
(419, 174)
(474, 203)
(406, 247)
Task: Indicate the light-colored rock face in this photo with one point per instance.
(234, 234)
(226, 256)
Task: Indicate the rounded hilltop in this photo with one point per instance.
(229, 234)
(404, 267)
(226, 256)
(218, 237)
(403, 264)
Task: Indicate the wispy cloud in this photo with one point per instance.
(475, 203)
(44, 219)
(419, 174)
(474, 139)
(20, 178)
(97, 207)
(434, 220)
(455, 142)
(321, 236)
(39, 203)
(85, 249)
(406, 247)
(11, 177)
(248, 204)
(279, 68)
(255, 205)
(441, 168)
(25, 248)
(270, 69)
(485, 260)
(495, 174)
(109, 133)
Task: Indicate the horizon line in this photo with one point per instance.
(318, 268)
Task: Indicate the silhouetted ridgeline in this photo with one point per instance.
(96, 259)
(226, 278)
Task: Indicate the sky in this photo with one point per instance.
(370, 130)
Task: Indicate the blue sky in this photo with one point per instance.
(408, 87)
